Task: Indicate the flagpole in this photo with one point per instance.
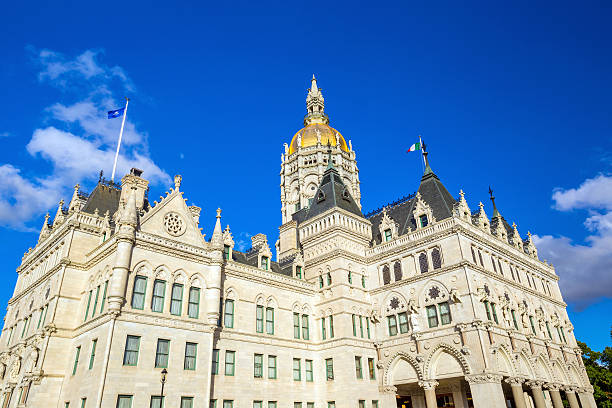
(422, 157)
(127, 100)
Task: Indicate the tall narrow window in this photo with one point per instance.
(83, 402)
(320, 281)
(228, 317)
(95, 305)
(436, 258)
(432, 316)
(532, 325)
(92, 356)
(257, 404)
(159, 292)
(215, 362)
(362, 404)
(473, 255)
(76, 360)
(297, 369)
(186, 402)
(350, 277)
(371, 370)
(308, 368)
(358, 368)
(298, 272)
(103, 297)
(191, 353)
(24, 328)
(361, 326)
(403, 322)
(296, 326)
(259, 319)
(494, 312)
(387, 235)
(130, 355)
(176, 301)
(138, 295)
(493, 263)
(386, 275)
(562, 334)
(161, 353)
(354, 318)
(228, 403)
(272, 404)
(513, 313)
(486, 305)
(88, 305)
(264, 263)
(329, 368)
(157, 401)
(305, 328)
(480, 257)
(392, 321)
(258, 366)
(423, 220)
(501, 271)
(331, 326)
(40, 316)
(329, 279)
(363, 283)
(226, 252)
(423, 264)
(124, 401)
(323, 331)
(272, 367)
(374, 403)
(230, 361)
(445, 315)
(548, 330)
(270, 320)
(368, 326)
(397, 271)
(193, 309)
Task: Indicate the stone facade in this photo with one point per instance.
(422, 303)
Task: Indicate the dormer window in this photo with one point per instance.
(226, 252)
(297, 206)
(423, 220)
(387, 235)
(264, 263)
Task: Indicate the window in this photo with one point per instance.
(548, 330)
(368, 326)
(386, 275)
(436, 258)
(397, 271)
(213, 403)
(88, 304)
(445, 315)
(258, 366)
(228, 404)
(308, 368)
(83, 402)
(215, 362)
(392, 321)
(329, 279)
(259, 319)
(271, 404)
(176, 301)
(101, 303)
(298, 272)
(40, 316)
(423, 220)
(331, 404)
(403, 322)
(486, 304)
(513, 313)
(297, 369)
(361, 403)
(323, 332)
(387, 235)
(363, 283)
(228, 318)
(264, 263)
(353, 317)
(371, 370)
(501, 271)
(272, 367)
(562, 334)
(124, 401)
(480, 257)
(305, 328)
(331, 326)
(320, 281)
(374, 403)
(161, 354)
(296, 326)
(361, 326)
(532, 325)
(494, 312)
(191, 352)
(130, 355)
(226, 252)
(350, 277)
(193, 309)
(310, 405)
(269, 320)
(473, 255)
(358, 368)
(230, 359)
(159, 292)
(24, 329)
(157, 402)
(423, 264)
(186, 402)
(138, 295)
(93, 310)
(92, 356)
(329, 368)
(257, 404)
(432, 316)
(76, 360)
(297, 405)
(493, 262)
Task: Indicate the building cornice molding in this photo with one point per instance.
(239, 270)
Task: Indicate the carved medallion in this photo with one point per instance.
(434, 292)
(174, 224)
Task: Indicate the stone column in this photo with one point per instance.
(517, 391)
(570, 393)
(388, 394)
(486, 390)
(555, 395)
(538, 395)
(586, 398)
(429, 387)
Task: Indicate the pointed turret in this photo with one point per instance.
(217, 236)
(481, 219)
(129, 215)
(517, 241)
(530, 246)
(315, 105)
(496, 213)
(462, 208)
(45, 231)
(59, 214)
(75, 204)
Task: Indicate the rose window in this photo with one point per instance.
(174, 224)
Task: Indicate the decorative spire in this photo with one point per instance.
(516, 237)
(59, 215)
(330, 162)
(495, 212)
(45, 230)
(425, 153)
(315, 105)
(74, 201)
(217, 236)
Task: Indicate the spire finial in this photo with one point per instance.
(315, 105)
(425, 153)
(492, 197)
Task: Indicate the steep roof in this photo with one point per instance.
(105, 198)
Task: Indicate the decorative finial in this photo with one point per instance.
(218, 212)
(425, 153)
(462, 194)
(101, 178)
(492, 197)
(177, 181)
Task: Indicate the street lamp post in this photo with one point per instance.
(164, 372)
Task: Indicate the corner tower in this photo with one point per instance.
(305, 158)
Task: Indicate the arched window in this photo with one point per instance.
(397, 271)
(423, 262)
(493, 262)
(436, 259)
(473, 255)
(480, 257)
(386, 275)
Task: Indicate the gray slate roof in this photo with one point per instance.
(104, 198)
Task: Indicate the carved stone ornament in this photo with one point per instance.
(174, 224)
(454, 296)
(535, 384)
(515, 381)
(483, 378)
(428, 385)
(14, 369)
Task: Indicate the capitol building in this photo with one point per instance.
(127, 302)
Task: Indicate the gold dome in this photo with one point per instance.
(309, 137)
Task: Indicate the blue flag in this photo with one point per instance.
(115, 113)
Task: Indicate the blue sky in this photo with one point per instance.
(515, 96)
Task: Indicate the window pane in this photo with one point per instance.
(297, 369)
(371, 370)
(159, 292)
(331, 326)
(124, 401)
(258, 366)
(432, 316)
(392, 325)
(228, 320)
(228, 404)
(191, 351)
(272, 367)
(309, 370)
(305, 327)
(403, 322)
(229, 362)
(259, 320)
(194, 303)
(296, 325)
(186, 402)
(445, 316)
(138, 295)
(176, 303)
(323, 331)
(329, 368)
(161, 355)
(270, 320)
(358, 369)
(130, 356)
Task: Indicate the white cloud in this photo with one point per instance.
(584, 269)
(4, 134)
(77, 140)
